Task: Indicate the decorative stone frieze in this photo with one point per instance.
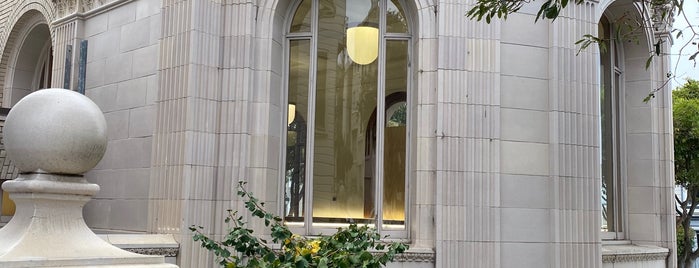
(415, 257)
(65, 7)
(642, 257)
(87, 5)
(167, 252)
(633, 253)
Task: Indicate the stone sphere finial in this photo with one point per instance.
(55, 131)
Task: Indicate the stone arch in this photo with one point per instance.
(642, 127)
(29, 37)
(273, 18)
(614, 9)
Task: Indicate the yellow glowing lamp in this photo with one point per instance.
(291, 114)
(363, 44)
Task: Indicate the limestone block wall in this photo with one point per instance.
(503, 142)
(122, 79)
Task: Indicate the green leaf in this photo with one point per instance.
(693, 56)
(649, 61)
(552, 13)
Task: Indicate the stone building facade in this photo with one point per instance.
(502, 146)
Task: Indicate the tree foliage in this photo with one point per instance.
(685, 114)
(354, 246)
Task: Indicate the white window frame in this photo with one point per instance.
(308, 227)
(619, 162)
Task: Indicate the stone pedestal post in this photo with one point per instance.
(53, 136)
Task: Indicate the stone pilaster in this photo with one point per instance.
(467, 139)
(66, 33)
(574, 94)
(662, 125)
(185, 187)
(424, 196)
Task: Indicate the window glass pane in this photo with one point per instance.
(395, 18)
(295, 173)
(346, 93)
(607, 156)
(609, 88)
(302, 18)
(395, 135)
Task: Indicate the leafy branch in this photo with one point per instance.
(353, 246)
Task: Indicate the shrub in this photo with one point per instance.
(353, 246)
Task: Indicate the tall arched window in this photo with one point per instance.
(345, 162)
(611, 86)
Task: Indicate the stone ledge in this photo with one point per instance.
(633, 253)
(416, 255)
(146, 244)
(165, 245)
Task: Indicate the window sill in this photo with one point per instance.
(614, 253)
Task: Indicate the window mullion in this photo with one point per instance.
(380, 118)
(310, 130)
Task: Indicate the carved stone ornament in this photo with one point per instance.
(415, 257)
(53, 136)
(641, 257)
(663, 18)
(167, 252)
(87, 5)
(65, 7)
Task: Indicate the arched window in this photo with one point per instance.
(347, 59)
(611, 86)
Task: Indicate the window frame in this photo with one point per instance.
(308, 227)
(619, 160)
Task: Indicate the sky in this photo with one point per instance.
(682, 67)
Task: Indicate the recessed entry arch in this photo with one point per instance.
(27, 59)
(25, 66)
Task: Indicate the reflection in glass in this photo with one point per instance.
(395, 18)
(295, 173)
(345, 98)
(610, 77)
(302, 18)
(394, 156)
(341, 124)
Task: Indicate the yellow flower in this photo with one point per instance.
(315, 246)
